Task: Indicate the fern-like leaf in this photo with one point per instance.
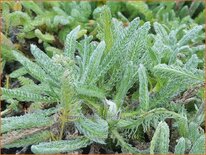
(192, 63)
(55, 70)
(17, 73)
(63, 146)
(191, 34)
(160, 140)
(36, 71)
(115, 52)
(199, 146)
(29, 140)
(94, 62)
(175, 72)
(39, 119)
(150, 118)
(22, 95)
(143, 88)
(160, 30)
(90, 91)
(105, 25)
(70, 43)
(94, 130)
(128, 79)
(175, 77)
(194, 131)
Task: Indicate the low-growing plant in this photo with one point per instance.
(25, 21)
(110, 92)
(195, 145)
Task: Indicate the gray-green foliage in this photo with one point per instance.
(95, 130)
(38, 119)
(90, 86)
(52, 15)
(199, 146)
(29, 140)
(175, 76)
(174, 45)
(160, 140)
(60, 146)
(143, 90)
(180, 147)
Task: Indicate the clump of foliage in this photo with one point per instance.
(48, 23)
(144, 78)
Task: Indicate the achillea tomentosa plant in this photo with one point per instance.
(80, 97)
(49, 23)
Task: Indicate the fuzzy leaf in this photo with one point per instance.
(26, 96)
(70, 43)
(38, 119)
(29, 140)
(160, 140)
(96, 130)
(129, 78)
(94, 62)
(143, 88)
(90, 91)
(191, 34)
(160, 30)
(180, 147)
(175, 72)
(175, 76)
(17, 73)
(192, 63)
(36, 71)
(62, 146)
(49, 66)
(105, 25)
(199, 146)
